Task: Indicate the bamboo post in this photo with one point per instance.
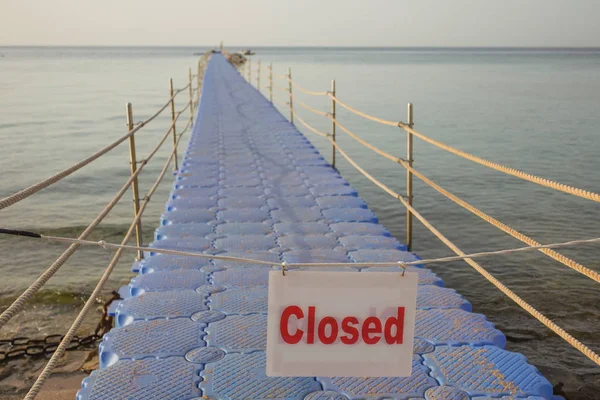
(409, 178)
(250, 70)
(291, 96)
(271, 83)
(333, 123)
(134, 185)
(172, 91)
(258, 77)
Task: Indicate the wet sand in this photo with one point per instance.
(18, 376)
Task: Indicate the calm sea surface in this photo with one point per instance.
(534, 110)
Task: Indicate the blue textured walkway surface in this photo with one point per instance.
(252, 186)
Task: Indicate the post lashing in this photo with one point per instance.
(191, 98)
(271, 83)
(258, 77)
(172, 91)
(134, 184)
(409, 178)
(291, 96)
(333, 119)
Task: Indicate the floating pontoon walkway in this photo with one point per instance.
(251, 185)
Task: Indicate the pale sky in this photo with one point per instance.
(553, 23)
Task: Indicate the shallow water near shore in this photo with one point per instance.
(534, 110)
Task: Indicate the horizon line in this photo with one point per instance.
(307, 47)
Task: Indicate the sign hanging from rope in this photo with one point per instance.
(341, 323)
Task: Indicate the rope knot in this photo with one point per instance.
(402, 265)
(103, 244)
(284, 267)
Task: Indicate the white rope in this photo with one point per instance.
(491, 278)
(25, 193)
(108, 246)
(91, 301)
(20, 302)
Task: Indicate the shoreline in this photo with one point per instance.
(18, 376)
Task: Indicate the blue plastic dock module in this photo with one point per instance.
(251, 185)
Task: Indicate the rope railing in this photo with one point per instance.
(313, 110)
(365, 143)
(186, 127)
(362, 114)
(276, 86)
(507, 170)
(505, 228)
(460, 256)
(370, 177)
(25, 193)
(91, 301)
(586, 194)
(309, 127)
(179, 90)
(300, 88)
(276, 97)
(401, 264)
(499, 285)
(166, 135)
(20, 302)
(136, 169)
(278, 101)
(407, 202)
(509, 293)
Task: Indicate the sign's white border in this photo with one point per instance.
(339, 295)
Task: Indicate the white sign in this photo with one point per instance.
(341, 323)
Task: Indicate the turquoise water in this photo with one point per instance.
(534, 110)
